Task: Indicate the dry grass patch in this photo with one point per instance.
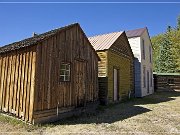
(155, 114)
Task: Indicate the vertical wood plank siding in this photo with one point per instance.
(73, 47)
(30, 86)
(17, 70)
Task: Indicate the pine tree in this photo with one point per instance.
(171, 37)
(166, 62)
(178, 23)
(169, 28)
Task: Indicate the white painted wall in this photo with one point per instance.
(136, 46)
(146, 62)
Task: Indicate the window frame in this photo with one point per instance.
(144, 77)
(143, 49)
(151, 81)
(150, 54)
(64, 80)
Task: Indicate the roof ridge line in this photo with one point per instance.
(106, 34)
(49, 31)
(137, 29)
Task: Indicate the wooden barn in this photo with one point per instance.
(49, 75)
(115, 70)
(166, 81)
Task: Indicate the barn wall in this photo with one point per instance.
(17, 72)
(70, 46)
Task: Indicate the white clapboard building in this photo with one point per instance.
(141, 46)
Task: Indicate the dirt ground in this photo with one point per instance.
(155, 114)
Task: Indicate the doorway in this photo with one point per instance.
(115, 85)
(80, 77)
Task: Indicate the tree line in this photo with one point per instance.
(166, 50)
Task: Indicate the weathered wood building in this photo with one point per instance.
(166, 81)
(115, 70)
(44, 76)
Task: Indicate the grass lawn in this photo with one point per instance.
(155, 114)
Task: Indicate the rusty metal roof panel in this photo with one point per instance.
(135, 33)
(104, 41)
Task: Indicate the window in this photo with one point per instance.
(150, 54)
(151, 77)
(144, 76)
(65, 72)
(143, 49)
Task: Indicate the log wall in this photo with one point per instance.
(166, 82)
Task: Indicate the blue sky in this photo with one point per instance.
(18, 21)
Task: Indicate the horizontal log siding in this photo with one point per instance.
(17, 71)
(67, 46)
(102, 65)
(121, 57)
(167, 82)
(124, 66)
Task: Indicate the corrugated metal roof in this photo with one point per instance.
(103, 42)
(135, 33)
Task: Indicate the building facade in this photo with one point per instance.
(49, 75)
(115, 70)
(140, 43)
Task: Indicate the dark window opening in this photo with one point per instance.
(143, 49)
(65, 72)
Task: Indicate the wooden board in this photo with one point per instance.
(17, 72)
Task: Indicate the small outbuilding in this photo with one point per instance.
(49, 76)
(115, 70)
(166, 81)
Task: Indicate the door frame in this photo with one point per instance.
(117, 83)
(85, 80)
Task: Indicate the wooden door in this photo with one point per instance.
(115, 85)
(80, 79)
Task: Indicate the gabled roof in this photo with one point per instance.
(32, 40)
(104, 41)
(135, 33)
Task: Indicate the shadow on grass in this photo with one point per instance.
(108, 115)
(120, 111)
(157, 97)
